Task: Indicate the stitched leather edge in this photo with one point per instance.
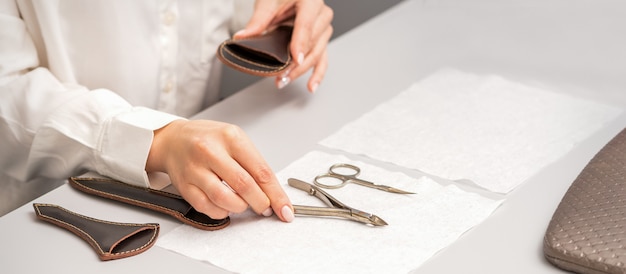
(274, 72)
(74, 181)
(103, 255)
(154, 228)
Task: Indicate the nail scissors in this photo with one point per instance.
(337, 172)
(336, 209)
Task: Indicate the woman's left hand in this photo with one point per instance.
(311, 33)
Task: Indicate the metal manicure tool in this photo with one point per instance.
(335, 209)
(337, 172)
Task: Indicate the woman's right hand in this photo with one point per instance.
(199, 154)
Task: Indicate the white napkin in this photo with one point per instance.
(419, 225)
(487, 129)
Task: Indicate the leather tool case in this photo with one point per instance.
(587, 233)
(110, 240)
(160, 201)
(265, 55)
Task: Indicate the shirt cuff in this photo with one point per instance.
(126, 141)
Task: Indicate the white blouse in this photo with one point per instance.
(83, 84)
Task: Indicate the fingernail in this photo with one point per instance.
(268, 212)
(300, 58)
(284, 81)
(287, 214)
(314, 87)
(286, 72)
(241, 32)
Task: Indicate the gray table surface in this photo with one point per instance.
(570, 46)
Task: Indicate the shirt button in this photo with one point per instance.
(169, 18)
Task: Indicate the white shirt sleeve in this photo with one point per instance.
(67, 131)
(56, 130)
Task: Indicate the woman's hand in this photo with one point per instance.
(311, 33)
(198, 155)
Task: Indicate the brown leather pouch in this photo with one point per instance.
(265, 55)
(110, 240)
(587, 233)
(152, 199)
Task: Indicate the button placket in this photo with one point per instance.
(169, 47)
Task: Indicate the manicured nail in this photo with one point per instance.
(286, 72)
(287, 214)
(268, 212)
(300, 58)
(241, 32)
(284, 81)
(314, 87)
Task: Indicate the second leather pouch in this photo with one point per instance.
(265, 55)
(110, 240)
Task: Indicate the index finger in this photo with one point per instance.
(251, 160)
(266, 179)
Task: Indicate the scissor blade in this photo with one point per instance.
(395, 190)
(379, 187)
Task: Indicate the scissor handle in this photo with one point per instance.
(342, 179)
(336, 168)
(335, 173)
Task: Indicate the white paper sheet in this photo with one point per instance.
(487, 129)
(419, 225)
